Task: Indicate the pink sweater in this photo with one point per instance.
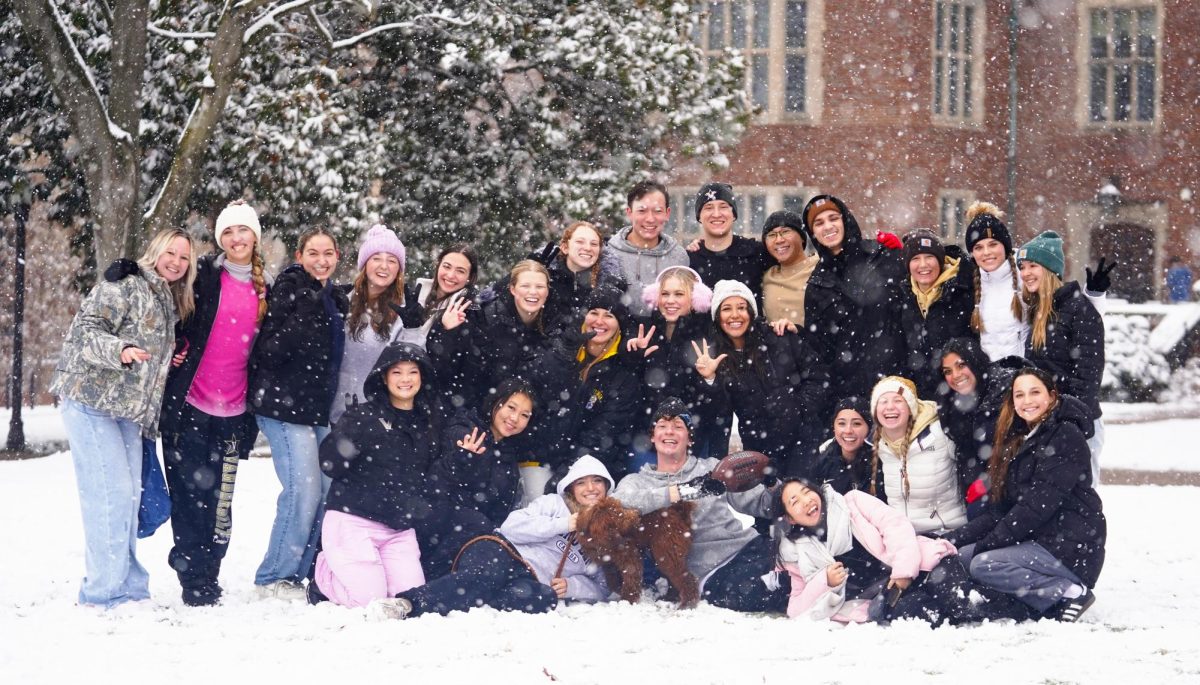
(219, 387)
(884, 532)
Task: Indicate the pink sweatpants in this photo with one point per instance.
(362, 560)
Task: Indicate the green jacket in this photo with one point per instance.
(136, 311)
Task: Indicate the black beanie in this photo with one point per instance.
(791, 220)
(605, 296)
(672, 407)
(858, 404)
(987, 226)
(923, 241)
(710, 192)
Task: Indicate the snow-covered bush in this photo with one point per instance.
(1133, 372)
(1184, 385)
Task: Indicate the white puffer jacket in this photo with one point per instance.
(1002, 335)
(934, 501)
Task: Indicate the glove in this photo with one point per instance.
(771, 474)
(889, 240)
(121, 268)
(1098, 280)
(700, 487)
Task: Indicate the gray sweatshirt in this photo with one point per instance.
(717, 535)
(642, 266)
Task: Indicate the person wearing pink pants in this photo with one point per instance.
(364, 560)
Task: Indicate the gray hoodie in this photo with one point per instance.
(717, 534)
(643, 266)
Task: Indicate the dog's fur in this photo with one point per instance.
(613, 536)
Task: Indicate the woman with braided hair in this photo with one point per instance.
(920, 472)
(206, 425)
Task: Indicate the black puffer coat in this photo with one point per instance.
(780, 394)
(832, 469)
(970, 420)
(1074, 350)
(569, 290)
(488, 483)
(949, 317)
(669, 371)
(379, 457)
(850, 307)
(294, 365)
(493, 345)
(1048, 496)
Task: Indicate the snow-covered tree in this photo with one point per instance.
(451, 120)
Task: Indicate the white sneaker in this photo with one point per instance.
(389, 609)
(287, 590)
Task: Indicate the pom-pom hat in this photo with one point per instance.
(380, 238)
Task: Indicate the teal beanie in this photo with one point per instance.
(1046, 249)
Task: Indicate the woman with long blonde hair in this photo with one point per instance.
(110, 379)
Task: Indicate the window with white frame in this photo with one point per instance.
(952, 214)
(958, 27)
(780, 43)
(1119, 77)
(755, 204)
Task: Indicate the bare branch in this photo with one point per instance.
(269, 17)
(312, 12)
(347, 42)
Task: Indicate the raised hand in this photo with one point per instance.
(642, 341)
(455, 314)
(695, 245)
(473, 443)
(706, 365)
(1098, 281)
(783, 325)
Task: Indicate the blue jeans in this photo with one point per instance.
(1025, 570)
(293, 545)
(107, 452)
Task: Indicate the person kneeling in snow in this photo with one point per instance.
(531, 562)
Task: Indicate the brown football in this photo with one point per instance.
(741, 471)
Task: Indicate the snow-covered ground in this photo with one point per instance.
(1141, 628)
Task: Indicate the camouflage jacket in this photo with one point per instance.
(136, 311)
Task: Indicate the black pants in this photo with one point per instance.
(443, 533)
(487, 575)
(941, 596)
(738, 585)
(201, 462)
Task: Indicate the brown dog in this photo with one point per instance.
(614, 536)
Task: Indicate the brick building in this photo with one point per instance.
(902, 107)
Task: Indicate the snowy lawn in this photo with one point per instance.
(1141, 628)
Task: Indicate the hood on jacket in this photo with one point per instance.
(851, 242)
(375, 387)
(620, 243)
(587, 465)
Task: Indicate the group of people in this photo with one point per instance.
(930, 413)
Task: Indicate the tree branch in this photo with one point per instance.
(128, 62)
(177, 35)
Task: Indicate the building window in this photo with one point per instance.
(755, 204)
(1120, 74)
(952, 215)
(779, 41)
(958, 27)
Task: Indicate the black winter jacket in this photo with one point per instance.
(569, 290)
(669, 371)
(948, 317)
(491, 346)
(831, 469)
(850, 307)
(488, 483)
(294, 365)
(1048, 496)
(379, 457)
(781, 403)
(193, 335)
(743, 261)
(1074, 350)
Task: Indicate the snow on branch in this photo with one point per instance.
(268, 18)
(167, 33)
(115, 131)
(347, 42)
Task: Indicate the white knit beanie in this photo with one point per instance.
(897, 384)
(237, 213)
(727, 289)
